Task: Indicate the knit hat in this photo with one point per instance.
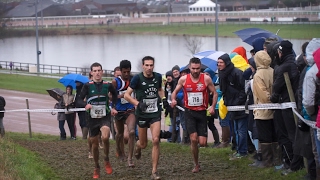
(285, 47)
(169, 73)
(176, 67)
(226, 59)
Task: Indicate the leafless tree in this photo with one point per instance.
(193, 44)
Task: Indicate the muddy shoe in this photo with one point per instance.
(196, 169)
(155, 176)
(108, 167)
(90, 155)
(137, 153)
(96, 173)
(130, 163)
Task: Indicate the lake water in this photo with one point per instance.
(109, 50)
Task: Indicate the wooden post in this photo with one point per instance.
(29, 122)
(290, 91)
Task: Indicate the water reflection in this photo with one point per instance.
(109, 50)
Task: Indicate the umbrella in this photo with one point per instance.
(55, 93)
(70, 79)
(248, 35)
(209, 58)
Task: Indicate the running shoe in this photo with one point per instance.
(96, 173)
(108, 167)
(155, 175)
(130, 163)
(101, 145)
(196, 169)
(90, 155)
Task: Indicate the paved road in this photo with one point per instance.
(41, 122)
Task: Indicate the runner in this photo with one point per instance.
(195, 87)
(147, 86)
(125, 112)
(96, 94)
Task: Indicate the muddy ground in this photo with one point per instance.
(70, 160)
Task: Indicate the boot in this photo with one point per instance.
(2, 132)
(267, 154)
(63, 136)
(216, 138)
(84, 133)
(225, 137)
(277, 154)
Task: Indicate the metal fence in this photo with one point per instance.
(50, 69)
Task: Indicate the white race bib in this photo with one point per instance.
(152, 105)
(195, 99)
(98, 111)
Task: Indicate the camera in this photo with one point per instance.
(165, 134)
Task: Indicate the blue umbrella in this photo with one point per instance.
(248, 35)
(70, 79)
(209, 58)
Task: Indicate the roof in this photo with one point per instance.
(203, 3)
(27, 8)
(90, 6)
(109, 2)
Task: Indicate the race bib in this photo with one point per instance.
(122, 100)
(152, 105)
(195, 99)
(98, 111)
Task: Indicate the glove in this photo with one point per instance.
(318, 134)
(142, 106)
(165, 103)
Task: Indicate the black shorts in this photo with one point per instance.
(196, 121)
(145, 123)
(123, 115)
(94, 124)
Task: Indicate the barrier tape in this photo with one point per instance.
(286, 105)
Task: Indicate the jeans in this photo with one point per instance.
(225, 122)
(182, 120)
(241, 130)
(317, 144)
(61, 127)
(177, 130)
(82, 119)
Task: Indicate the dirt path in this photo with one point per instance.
(43, 122)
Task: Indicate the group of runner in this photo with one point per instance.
(137, 101)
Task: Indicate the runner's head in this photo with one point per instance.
(195, 67)
(96, 72)
(117, 71)
(148, 65)
(125, 68)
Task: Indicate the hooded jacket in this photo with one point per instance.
(262, 85)
(311, 81)
(279, 89)
(240, 63)
(242, 52)
(231, 84)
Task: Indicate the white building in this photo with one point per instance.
(203, 6)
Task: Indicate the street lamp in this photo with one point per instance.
(37, 40)
(216, 26)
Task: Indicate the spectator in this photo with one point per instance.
(67, 100)
(2, 105)
(231, 84)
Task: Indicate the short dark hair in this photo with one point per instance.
(195, 60)
(125, 64)
(304, 47)
(96, 64)
(147, 58)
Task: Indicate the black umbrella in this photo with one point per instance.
(56, 93)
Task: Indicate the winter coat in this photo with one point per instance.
(2, 105)
(279, 89)
(67, 99)
(262, 85)
(61, 116)
(311, 81)
(78, 92)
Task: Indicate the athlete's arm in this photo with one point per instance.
(129, 98)
(212, 89)
(113, 92)
(176, 90)
(115, 85)
(83, 95)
